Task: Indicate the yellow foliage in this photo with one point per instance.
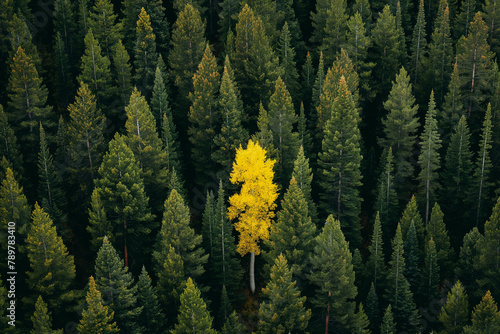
(255, 203)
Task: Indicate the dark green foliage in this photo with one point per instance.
(151, 318)
(207, 227)
(233, 325)
(283, 308)
(13, 206)
(455, 312)
(485, 317)
(99, 227)
(9, 148)
(489, 258)
(436, 229)
(388, 325)
(430, 274)
(117, 287)
(466, 270)
(303, 175)
(318, 82)
(453, 108)
(305, 139)
(361, 323)
(160, 99)
(102, 22)
(42, 322)
(65, 26)
(122, 71)
(411, 252)
(372, 308)
(418, 45)
(63, 71)
(375, 264)
(286, 53)
(145, 54)
(335, 29)
(228, 16)
(412, 215)
(491, 12)
(464, 18)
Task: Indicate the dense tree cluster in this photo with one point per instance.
(230, 166)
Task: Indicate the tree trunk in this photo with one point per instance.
(252, 272)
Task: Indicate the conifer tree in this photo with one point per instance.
(63, 72)
(281, 121)
(485, 317)
(335, 29)
(304, 176)
(305, 139)
(286, 54)
(411, 214)
(13, 206)
(491, 12)
(318, 19)
(464, 18)
(187, 46)
(481, 184)
(203, 116)
(453, 107)
(474, 63)
(340, 159)
(175, 232)
(418, 44)
(52, 269)
(20, 36)
(142, 138)
(65, 24)
(489, 259)
(228, 15)
(400, 127)
(151, 318)
(193, 314)
(42, 322)
(171, 283)
(145, 54)
(388, 325)
(207, 227)
(329, 91)
(333, 276)
(86, 137)
(102, 22)
(83, 18)
(430, 273)
(171, 147)
(318, 82)
(232, 133)
(50, 193)
(117, 287)
(121, 189)
(436, 229)
(386, 198)
(307, 82)
(160, 104)
(429, 159)
(372, 308)
(375, 264)
(412, 270)
(386, 51)
(95, 71)
(99, 227)
(233, 325)
(293, 234)
(283, 308)
(467, 269)
(61, 139)
(455, 312)
(96, 317)
(9, 147)
(265, 136)
(398, 289)
(122, 70)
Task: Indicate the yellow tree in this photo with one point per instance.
(255, 203)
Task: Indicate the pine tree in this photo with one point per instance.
(86, 137)
(485, 317)
(65, 24)
(412, 270)
(187, 46)
(318, 82)
(232, 134)
(117, 287)
(203, 116)
(436, 229)
(42, 322)
(61, 139)
(335, 29)
(474, 62)
(283, 308)
(363, 8)
(228, 16)
(286, 54)
(142, 138)
(411, 214)
(386, 198)
(50, 193)
(19, 35)
(52, 269)
(94, 70)
(318, 19)
(151, 318)
(63, 72)
(160, 104)
(481, 184)
(14, 206)
(372, 308)
(340, 159)
(398, 289)
(466, 269)
(464, 18)
(305, 139)
(491, 16)
(430, 273)
(455, 312)
(400, 127)
(175, 232)
(304, 176)
(489, 259)
(293, 234)
(281, 121)
(375, 264)
(99, 227)
(429, 159)
(122, 71)
(121, 189)
(264, 136)
(333, 276)
(307, 82)
(386, 51)
(171, 147)
(361, 323)
(145, 54)
(9, 147)
(102, 23)
(453, 108)
(418, 45)
(207, 227)
(193, 314)
(233, 325)
(96, 317)
(388, 325)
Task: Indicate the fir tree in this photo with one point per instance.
(489, 259)
(264, 136)
(453, 108)
(99, 227)
(228, 16)
(102, 22)
(412, 215)
(121, 189)
(375, 264)
(63, 72)
(361, 323)
(14, 206)
(117, 287)
(20, 36)
(283, 309)
(388, 325)
(491, 16)
(145, 54)
(307, 82)
(466, 269)
(286, 54)
(96, 317)
(400, 127)
(65, 25)
(207, 227)
(151, 318)
(430, 273)
(340, 159)
(455, 312)
(372, 308)
(233, 325)
(318, 82)
(485, 317)
(333, 276)
(122, 70)
(429, 159)
(335, 29)
(305, 139)
(193, 314)
(412, 270)
(304, 176)
(418, 45)
(464, 18)
(436, 229)
(42, 322)
(171, 146)
(318, 19)
(9, 147)
(160, 104)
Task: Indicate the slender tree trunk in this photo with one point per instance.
(327, 320)
(252, 272)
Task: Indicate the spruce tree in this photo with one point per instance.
(318, 82)
(121, 189)
(65, 24)
(160, 104)
(372, 308)
(42, 322)
(307, 82)
(485, 317)
(304, 176)
(400, 127)
(430, 274)
(339, 161)
(117, 287)
(233, 325)
(20, 35)
(122, 71)
(489, 259)
(281, 121)
(293, 234)
(305, 139)
(388, 325)
(375, 264)
(228, 16)
(464, 17)
(96, 317)
(171, 147)
(9, 147)
(286, 53)
(418, 45)
(264, 135)
(63, 72)
(412, 270)
(102, 21)
(455, 312)
(466, 269)
(99, 227)
(335, 29)
(412, 215)
(14, 206)
(203, 116)
(436, 229)
(193, 314)
(145, 54)
(453, 107)
(333, 276)
(187, 46)
(429, 158)
(207, 227)
(52, 269)
(491, 12)
(283, 308)
(151, 318)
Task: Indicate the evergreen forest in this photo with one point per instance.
(249, 166)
